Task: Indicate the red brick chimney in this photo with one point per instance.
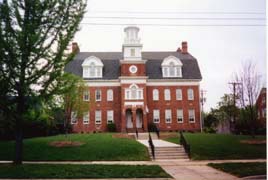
(75, 48)
(184, 47)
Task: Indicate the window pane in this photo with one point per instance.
(167, 94)
(156, 116)
(110, 95)
(98, 117)
(98, 95)
(110, 116)
(73, 118)
(168, 115)
(172, 71)
(190, 93)
(132, 52)
(86, 118)
(155, 95)
(86, 95)
(179, 115)
(178, 94)
(191, 115)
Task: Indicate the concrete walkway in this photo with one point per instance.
(159, 143)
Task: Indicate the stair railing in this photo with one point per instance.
(185, 145)
(137, 134)
(151, 144)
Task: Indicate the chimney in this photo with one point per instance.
(184, 47)
(75, 48)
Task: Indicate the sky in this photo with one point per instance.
(220, 45)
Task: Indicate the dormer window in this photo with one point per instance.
(92, 67)
(171, 67)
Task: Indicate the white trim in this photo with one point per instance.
(175, 60)
(132, 81)
(134, 103)
(101, 84)
(165, 83)
(130, 61)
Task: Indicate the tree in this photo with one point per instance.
(248, 90)
(34, 36)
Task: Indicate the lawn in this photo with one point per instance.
(81, 171)
(242, 169)
(222, 146)
(96, 147)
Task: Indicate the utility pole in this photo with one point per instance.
(234, 84)
(202, 100)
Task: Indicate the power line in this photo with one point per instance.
(145, 24)
(180, 12)
(170, 18)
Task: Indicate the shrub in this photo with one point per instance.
(111, 127)
(209, 130)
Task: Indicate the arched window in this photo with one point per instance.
(167, 94)
(92, 67)
(190, 93)
(155, 95)
(171, 67)
(110, 95)
(134, 92)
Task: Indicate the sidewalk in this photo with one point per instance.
(179, 169)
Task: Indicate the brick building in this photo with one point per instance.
(261, 107)
(134, 88)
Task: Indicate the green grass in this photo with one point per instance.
(81, 171)
(222, 146)
(242, 169)
(97, 147)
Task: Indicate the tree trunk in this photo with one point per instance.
(19, 143)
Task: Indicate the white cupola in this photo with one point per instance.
(132, 46)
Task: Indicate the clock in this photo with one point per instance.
(133, 69)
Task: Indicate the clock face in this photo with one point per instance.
(133, 69)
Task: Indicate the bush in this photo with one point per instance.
(209, 130)
(111, 127)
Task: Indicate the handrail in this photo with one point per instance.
(185, 145)
(137, 134)
(151, 144)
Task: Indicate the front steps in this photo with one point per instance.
(163, 150)
(171, 153)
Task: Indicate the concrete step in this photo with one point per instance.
(169, 153)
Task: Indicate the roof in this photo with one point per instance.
(111, 61)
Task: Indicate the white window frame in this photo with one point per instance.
(179, 115)
(155, 94)
(86, 117)
(110, 95)
(92, 67)
(98, 117)
(179, 94)
(97, 96)
(190, 94)
(156, 116)
(168, 115)
(167, 95)
(191, 114)
(110, 116)
(73, 117)
(86, 95)
(134, 93)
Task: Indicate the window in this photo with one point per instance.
(92, 67)
(156, 115)
(98, 95)
(191, 116)
(190, 93)
(132, 52)
(133, 92)
(168, 116)
(86, 118)
(86, 95)
(110, 95)
(264, 112)
(110, 116)
(155, 95)
(98, 117)
(180, 116)
(178, 94)
(171, 67)
(167, 94)
(73, 118)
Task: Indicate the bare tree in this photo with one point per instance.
(248, 90)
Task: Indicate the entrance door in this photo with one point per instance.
(139, 118)
(129, 118)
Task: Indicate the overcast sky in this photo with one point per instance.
(219, 49)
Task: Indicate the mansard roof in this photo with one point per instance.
(111, 62)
